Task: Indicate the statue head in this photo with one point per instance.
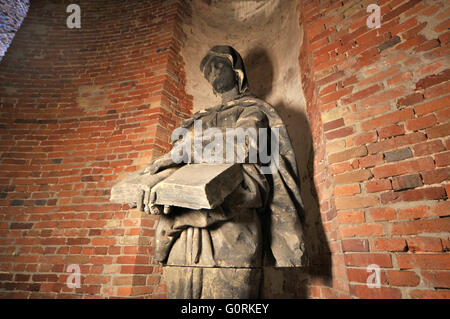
(224, 69)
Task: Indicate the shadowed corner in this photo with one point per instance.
(293, 282)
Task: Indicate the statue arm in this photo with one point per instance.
(163, 162)
(250, 120)
(250, 117)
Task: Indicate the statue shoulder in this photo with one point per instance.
(198, 115)
(265, 107)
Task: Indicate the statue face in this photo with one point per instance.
(220, 74)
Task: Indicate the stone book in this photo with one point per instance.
(199, 186)
(127, 190)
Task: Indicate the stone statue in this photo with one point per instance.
(219, 252)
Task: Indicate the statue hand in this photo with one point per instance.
(146, 202)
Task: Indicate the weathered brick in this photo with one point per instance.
(442, 208)
(438, 175)
(444, 38)
(378, 185)
(443, 115)
(335, 96)
(433, 80)
(136, 269)
(390, 43)
(390, 244)
(406, 182)
(356, 202)
(339, 168)
(365, 114)
(348, 154)
(398, 155)
(401, 78)
(382, 97)
(380, 76)
(425, 46)
(442, 159)
(361, 259)
(339, 133)
(421, 123)
(347, 190)
(362, 230)
(352, 177)
(432, 193)
(362, 94)
(414, 212)
(431, 67)
(355, 245)
(424, 261)
(335, 146)
(396, 28)
(410, 100)
(379, 214)
(365, 138)
(436, 91)
(403, 278)
(371, 160)
(421, 226)
(392, 130)
(21, 226)
(438, 131)
(333, 124)
(436, 279)
(432, 106)
(396, 142)
(364, 292)
(431, 147)
(412, 166)
(400, 9)
(331, 78)
(349, 217)
(391, 118)
(424, 244)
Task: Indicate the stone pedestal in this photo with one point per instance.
(212, 283)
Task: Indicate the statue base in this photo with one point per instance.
(212, 283)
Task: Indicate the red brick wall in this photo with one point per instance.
(378, 102)
(79, 109)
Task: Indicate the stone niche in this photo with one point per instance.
(268, 35)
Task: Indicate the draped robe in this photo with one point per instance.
(257, 224)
